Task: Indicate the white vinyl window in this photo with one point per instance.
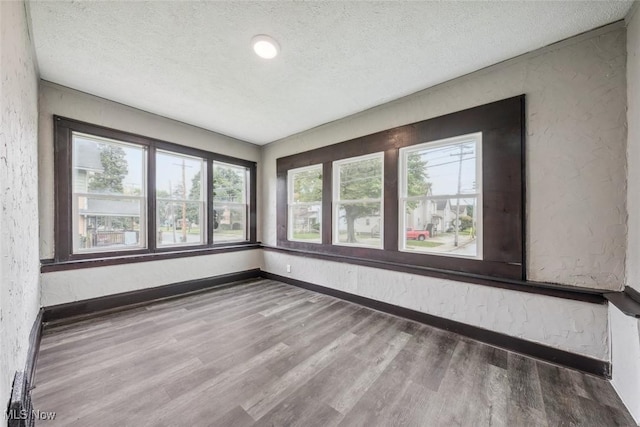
(441, 197)
(358, 201)
(305, 204)
(180, 199)
(230, 204)
(109, 195)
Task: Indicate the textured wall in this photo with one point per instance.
(568, 325)
(58, 100)
(625, 330)
(625, 358)
(575, 150)
(19, 264)
(67, 286)
(633, 149)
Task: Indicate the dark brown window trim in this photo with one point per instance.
(63, 128)
(50, 265)
(593, 296)
(502, 124)
(627, 301)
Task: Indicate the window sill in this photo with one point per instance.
(555, 290)
(49, 266)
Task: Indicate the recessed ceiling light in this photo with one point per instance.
(265, 47)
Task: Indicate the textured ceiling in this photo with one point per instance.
(192, 61)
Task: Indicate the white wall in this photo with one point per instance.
(74, 285)
(575, 149)
(62, 101)
(576, 232)
(19, 262)
(625, 330)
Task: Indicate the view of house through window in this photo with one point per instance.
(305, 204)
(229, 202)
(357, 196)
(441, 196)
(180, 199)
(109, 194)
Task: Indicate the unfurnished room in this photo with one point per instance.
(319, 213)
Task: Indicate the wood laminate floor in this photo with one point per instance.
(263, 353)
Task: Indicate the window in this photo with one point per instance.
(109, 194)
(441, 197)
(440, 192)
(305, 204)
(180, 199)
(123, 194)
(357, 201)
(229, 202)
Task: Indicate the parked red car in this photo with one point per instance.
(417, 234)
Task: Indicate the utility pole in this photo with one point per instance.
(183, 220)
(457, 224)
(184, 204)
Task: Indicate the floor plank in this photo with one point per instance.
(263, 353)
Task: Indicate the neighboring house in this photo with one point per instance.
(307, 218)
(369, 225)
(95, 225)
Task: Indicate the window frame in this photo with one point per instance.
(336, 200)
(291, 204)
(502, 124)
(246, 198)
(402, 190)
(204, 189)
(63, 192)
(143, 198)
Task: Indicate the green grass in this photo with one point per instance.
(423, 244)
(306, 236)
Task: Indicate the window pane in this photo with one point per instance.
(441, 190)
(102, 166)
(173, 230)
(442, 170)
(358, 185)
(305, 204)
(180, 213)
(361, 179)
(229, 183)
(305, 223)
(306, 185)
(359, 224)
(431, 226)
(108, 181)
(108, 224)
(231, 223)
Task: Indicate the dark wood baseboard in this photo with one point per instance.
(586, 364)
(34, 348)
(115, 302)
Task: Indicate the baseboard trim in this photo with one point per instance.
(539, 351)
(122, 301)
(34, 348)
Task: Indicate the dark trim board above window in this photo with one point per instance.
(121, 194)
(499, 191)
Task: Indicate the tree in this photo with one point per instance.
(114, 167)
(417, 179)
(193, 209)
(359, 180)
(228, 186)
(307, 186)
